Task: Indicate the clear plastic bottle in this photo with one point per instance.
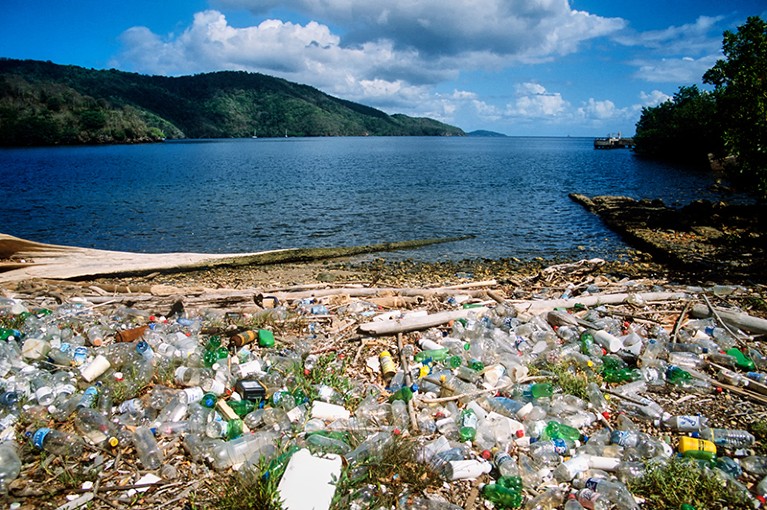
(56, 442)
(592, 500)
(147, 449)
(547, 500)
(685, 423)
(10, 464)
(615, 492)
(94, 426)
(225, 455)
(572, 503)
(727, 438)
(505, 464)
(755, 464)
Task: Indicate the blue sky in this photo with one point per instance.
(520, 67)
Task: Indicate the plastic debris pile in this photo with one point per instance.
(554, 409)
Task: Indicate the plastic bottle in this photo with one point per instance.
(236, 451)
(147, 449)
(741, 360)
(225, 429)
(530, 392)
(592, 500)
(755, 464)
(466, 469)
(572, 503)
(10, 464)
(727, 438)
(615, 492)
(95, 427)
(697, 448)
(468, 425)
(432, 355)
(388, 368)
(597, 399)
(550, 451)
(56, 442)
(505, 464)
(685, 423)
(89, 397)
(556, 430)
(505, 493)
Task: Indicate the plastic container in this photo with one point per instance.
(56, 442)
(697, 448)
(147, 449)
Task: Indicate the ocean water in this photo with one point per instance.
(242, 195)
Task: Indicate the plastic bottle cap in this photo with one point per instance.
(520, 433)
(486, 454)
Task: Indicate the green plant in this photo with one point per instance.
(379, 481)
(685, 481)
(759, 430)
(569, 377)
(248, 490)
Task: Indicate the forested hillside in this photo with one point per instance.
(42, 103)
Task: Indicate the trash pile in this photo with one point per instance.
(559, 401)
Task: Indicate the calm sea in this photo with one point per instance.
(223, 196)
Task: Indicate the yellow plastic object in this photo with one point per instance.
(697, 448)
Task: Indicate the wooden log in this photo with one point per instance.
(536, 307)
(740, 320)
(66, 262)
(391, 327)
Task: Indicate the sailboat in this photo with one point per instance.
(255, 134)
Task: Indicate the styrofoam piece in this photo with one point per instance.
(326, 411)
(308, 481)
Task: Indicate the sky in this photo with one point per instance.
(518, 67)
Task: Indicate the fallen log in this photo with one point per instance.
(536, 307)
(22, 259)
(405, 325)
(740, 320)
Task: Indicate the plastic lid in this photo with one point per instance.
(487, 455)
(520, 433)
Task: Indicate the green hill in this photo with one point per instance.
(42, 103)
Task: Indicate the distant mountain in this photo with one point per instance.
(42, 103)
(482, 132)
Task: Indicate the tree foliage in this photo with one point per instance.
(730, 121)
(741, 91)
(45, 103)
(684, 128)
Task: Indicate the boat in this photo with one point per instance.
(613, 141)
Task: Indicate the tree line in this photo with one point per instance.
(42, 103)
(728, 123)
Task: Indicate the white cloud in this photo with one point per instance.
(653, 98)
(704, 35)
(399, 42)
(533, 101)
(673, 70)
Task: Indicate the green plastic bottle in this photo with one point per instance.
(404, 393)
(741, 360)
(241, 407)
(621, 375)
(454, 361)
(506, 494)
(468, 428)
(432, 354)
(10, 334)
(676, 375)
(556, 430)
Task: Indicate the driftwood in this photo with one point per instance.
(536, 307)
(394, 326)
(21, 259)
(740, 320)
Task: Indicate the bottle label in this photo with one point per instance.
(469, 420)
(592, 483)
(560, 447)
(39, 437)
(588, 498)
(688, 423)
(80, 355)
